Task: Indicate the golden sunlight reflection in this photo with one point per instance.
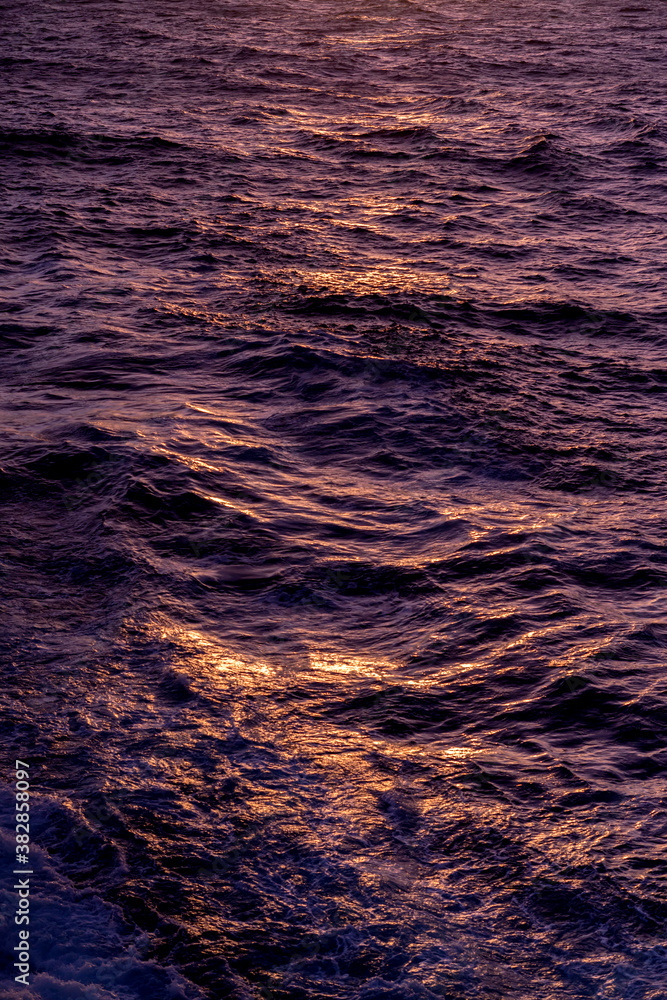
(214, 665)
(355, 666)
(359, 766)
(390, 276)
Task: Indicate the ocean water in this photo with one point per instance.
(333, 479)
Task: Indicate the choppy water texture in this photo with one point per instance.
(334, 361)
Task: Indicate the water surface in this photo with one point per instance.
(334, 361)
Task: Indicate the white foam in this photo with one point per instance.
(79, 948)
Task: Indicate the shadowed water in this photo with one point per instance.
(334, 362)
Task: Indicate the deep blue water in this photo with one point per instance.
(333, 478)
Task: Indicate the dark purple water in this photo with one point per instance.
(333, 486)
